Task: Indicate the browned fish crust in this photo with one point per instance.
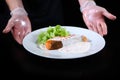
(53, 44)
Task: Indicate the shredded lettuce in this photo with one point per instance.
(52, 32)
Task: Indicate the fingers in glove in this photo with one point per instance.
(102, 28)
(9, 26)
(18, 35)
(92, 27)
(109, 15)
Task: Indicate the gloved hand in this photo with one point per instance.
(19, 24)
(94, 15)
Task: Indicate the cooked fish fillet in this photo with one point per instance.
(53, 44)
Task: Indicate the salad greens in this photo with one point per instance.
(52, 32)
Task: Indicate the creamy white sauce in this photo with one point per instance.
(41, 46)
(79, 47)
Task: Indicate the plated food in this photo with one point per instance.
(58, 38)
(79, 43)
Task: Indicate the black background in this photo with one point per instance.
(11, 65)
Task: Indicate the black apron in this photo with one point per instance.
(44, 13)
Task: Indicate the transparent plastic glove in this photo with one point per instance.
(94, 15)
(19, 24)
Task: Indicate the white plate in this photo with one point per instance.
(97, 41)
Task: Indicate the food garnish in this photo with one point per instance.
(51, 32)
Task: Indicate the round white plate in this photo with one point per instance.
(97, 44)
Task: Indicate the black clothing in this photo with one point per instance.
(43, 13)
(4, 14)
